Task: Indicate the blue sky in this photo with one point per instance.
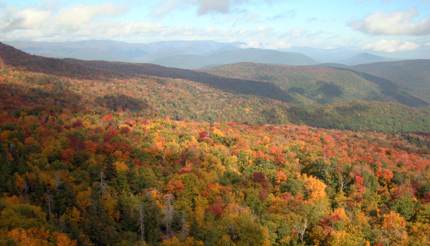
(375, 25)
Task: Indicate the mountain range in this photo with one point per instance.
(116, 153)
(317, 95)
(195, 54)
(413, 75)
(180, 54)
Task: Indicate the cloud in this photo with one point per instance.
(204, 7)
(390, 46)
(48, 20)
(78, 15)
(57, 22)
(394, 23)
(24, 19)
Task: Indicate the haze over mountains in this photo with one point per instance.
(181, 54)
(318, 95)
(321, 85)
(411, 74)
(215, 122)
(195, 54)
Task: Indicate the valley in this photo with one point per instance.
(114, 153)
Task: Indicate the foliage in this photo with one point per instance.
(74, 172)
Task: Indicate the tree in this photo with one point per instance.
(394, 229)
(405, 205)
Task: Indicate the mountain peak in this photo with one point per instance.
(363, 58)
(368, 55)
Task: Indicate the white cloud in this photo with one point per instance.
(82, 14)
(394, 23)
(52, 22)
(203, 6)
(39, 22)
(25, 19)
(391, 46)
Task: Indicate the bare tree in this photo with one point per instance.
(169, 212)
(141, 222)
(49, 204)
(302, 229)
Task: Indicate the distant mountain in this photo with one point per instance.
(236, 56)
(169, 48)
(86, 50)
(413, 75)
(246, 92)
(121, 51)
(339, 97)
(335, 55)
(321, 85)
(102, 69)
(180, 54)
(346, 56)
(363, 58)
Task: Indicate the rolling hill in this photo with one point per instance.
(252, 93)
(145, 160)
(108, 50)
(413, 75)
(106, 153)
(339, 97)
(180, 54)
(235, 56)
(363, 58)
(79, 177)
(321, 85)
(147, 96)
(102, 70)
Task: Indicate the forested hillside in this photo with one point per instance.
(147, 160)
(180, 54)
(321, 84)
(72, 177)
(214, 123)
(413, 75)
(246, 92)
(152, 97)
(98, 70)
(339, 98)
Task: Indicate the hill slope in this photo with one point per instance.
(73, 175)
(108, 50)
(339, 97)
(363, 58)
(413, 75)
(180, 54)
(321, 85)
(235, 56)
(264, 94)
(152, 97)
(101, 69)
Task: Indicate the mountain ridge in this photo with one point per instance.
(103, 69)
(181, 54)
(309, 94)
(364, 58)
(314, 80)
(413, 75)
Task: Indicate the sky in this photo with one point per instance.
(375, 25)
